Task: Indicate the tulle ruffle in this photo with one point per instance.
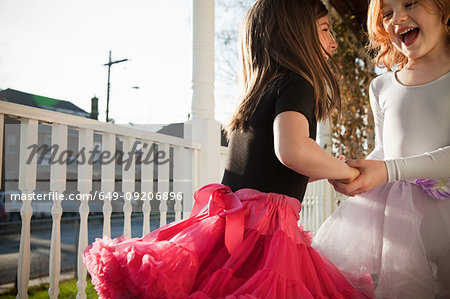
(195, 258)
(396, 233)
(439, 189)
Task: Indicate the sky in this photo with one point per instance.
(58, 48)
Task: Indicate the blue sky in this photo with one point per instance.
(57, 48)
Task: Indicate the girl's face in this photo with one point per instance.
(415, 30)
(326, 39)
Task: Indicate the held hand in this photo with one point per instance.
(351, 172)
(373, 174)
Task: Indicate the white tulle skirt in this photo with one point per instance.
(396, 233)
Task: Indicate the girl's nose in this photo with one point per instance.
(399, 17)
(333, 43)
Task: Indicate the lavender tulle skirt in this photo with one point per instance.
(397, 233)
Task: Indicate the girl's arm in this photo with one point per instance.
(432, 165)
(296, 150)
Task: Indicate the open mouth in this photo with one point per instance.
(409, 36)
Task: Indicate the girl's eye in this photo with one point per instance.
(387, 15)
(411, 4)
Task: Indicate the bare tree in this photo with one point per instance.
(229, 17)
(353, 131)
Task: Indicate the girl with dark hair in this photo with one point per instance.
(246, 243)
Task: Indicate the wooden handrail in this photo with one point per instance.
(50, 117)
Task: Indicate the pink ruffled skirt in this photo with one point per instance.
(243, 245)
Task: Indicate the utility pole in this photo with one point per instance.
(109, 64)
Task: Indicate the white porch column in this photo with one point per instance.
(203, 60)
(324, 135)
(203, 127)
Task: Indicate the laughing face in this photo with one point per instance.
(414, 27)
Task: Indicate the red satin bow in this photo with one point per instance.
(220, 198)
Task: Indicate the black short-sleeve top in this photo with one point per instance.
(252, 162)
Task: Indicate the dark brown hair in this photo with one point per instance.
(279, 36)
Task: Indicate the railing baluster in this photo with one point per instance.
(315, 222)
(146, 187)
(325, 200)
(317, 200)
(86, 142)
(301, 215)
(314, 205)
(163, 181)
(190, 158)
(58, 186)
(108, 180)
(2, 125)
(195, 171)
(313, 208)
(330, 203)
(192, 173)
(128, 171)
(322, 199)
(309, 206)
(180, 178)
(27, 184)
(304, 211)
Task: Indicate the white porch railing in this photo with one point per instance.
(319, 203)
(184, 180)
(180, 177)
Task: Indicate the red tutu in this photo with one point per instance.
(244, 245)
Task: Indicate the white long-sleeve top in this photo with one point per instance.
(412, 127)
